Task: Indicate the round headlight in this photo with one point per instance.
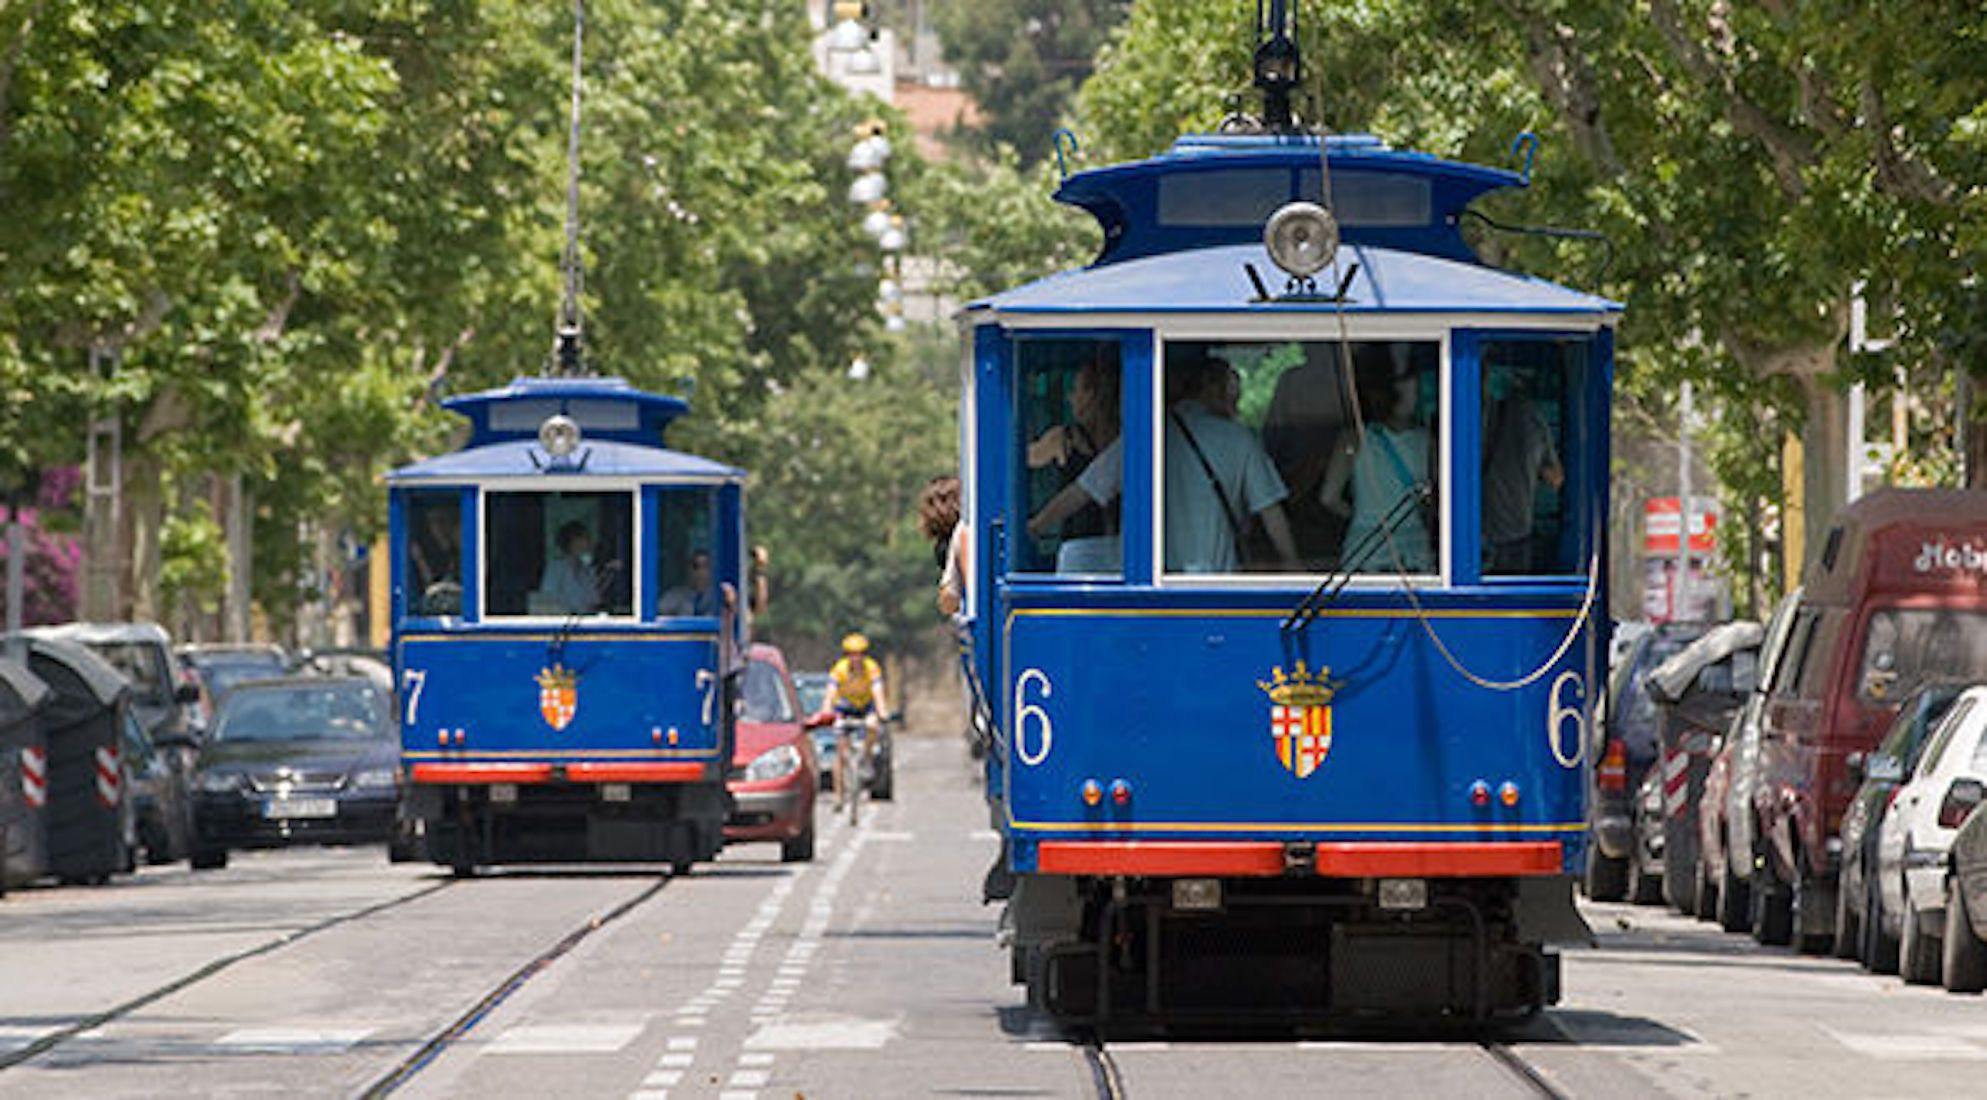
(777, 762)
(559, 436)
(1302, 238)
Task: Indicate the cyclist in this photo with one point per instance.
(855, 687)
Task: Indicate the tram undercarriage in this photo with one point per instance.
(1325, 951)
(464, 827)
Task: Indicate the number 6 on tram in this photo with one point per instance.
(566, 631)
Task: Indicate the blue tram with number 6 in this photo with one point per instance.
(1288, 521)
(567, 628)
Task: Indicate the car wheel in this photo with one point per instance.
(1707, 893)
(1734, 901)
(1848, 941)
(1918, 962)
(1644, 888)
(799, 849)
(1800, 903)
(1605, 879)
(1880, 948)
(1772, 908)
(1963, 965)
(208, 859)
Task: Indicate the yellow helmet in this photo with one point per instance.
(855, 643)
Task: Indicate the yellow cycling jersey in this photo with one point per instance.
(855, 681)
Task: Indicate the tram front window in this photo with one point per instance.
(1265, 469)
(1069, 456)
(556, 554)
(1530, 393)
(688, 566)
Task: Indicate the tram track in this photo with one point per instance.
(1104, 1074)
(439, 1043)
(1515, 1064)
(1108, 1081)
(45, 1043)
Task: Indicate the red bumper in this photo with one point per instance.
(674, 771)
(1350, 859)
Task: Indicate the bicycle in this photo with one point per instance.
(853, 775)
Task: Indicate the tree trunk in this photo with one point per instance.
(144, 504)
(235, 523)
(1972, 427)
(1824, 457)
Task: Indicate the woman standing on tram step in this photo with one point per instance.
(1389, 464)
(938, 518)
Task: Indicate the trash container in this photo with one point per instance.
(87, 824)
(23, 774)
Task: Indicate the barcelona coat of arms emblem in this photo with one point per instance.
(558, 696)
(1300, 717)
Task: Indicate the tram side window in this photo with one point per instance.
(688, 553)
(434, 552)
(1265, 468)
(1069, 456)
(559, 554)
(1531, 390)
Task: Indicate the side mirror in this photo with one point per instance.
(186, 693)
(1961, 798)
(1881, 767)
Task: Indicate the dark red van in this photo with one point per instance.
(1896, 592)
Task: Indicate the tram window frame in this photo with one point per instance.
(424, 597)
(1516, 383)
(677, 542)
(621, 583)
(1043, 423)
(1422, 354)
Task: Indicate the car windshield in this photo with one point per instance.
(304, 712)
(765, 697)
(141, 663)
(1904, 646)
(224, 674)
(812, 688)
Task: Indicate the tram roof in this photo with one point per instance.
(604, 408)
(595, 458)
(1214, 189)
(1214, 280)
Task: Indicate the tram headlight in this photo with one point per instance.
(559, 436)
(1302, 238)
(777, 762)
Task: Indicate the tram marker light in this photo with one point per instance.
(1403, 893)
(1092, 793)
(1508, 793)
(441, 738)
(1479, 793)
(1199, 895)
(1121, 792)
(1302, 237)
(559, 435)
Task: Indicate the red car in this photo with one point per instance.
(773, 775)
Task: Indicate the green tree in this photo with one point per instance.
(1023, 60)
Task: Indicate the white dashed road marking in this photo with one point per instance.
(293, 1040)
(594, 1038)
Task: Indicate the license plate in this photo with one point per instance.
(280, 808)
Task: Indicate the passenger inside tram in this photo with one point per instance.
(558, 553)
(1073, 452)
(1223, 495)
(1370, 480)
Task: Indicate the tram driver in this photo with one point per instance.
(569, 581)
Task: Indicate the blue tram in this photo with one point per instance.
(1289, 521)
(567, 631)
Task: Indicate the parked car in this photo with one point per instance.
(218, 669)
(303, 759)
(1727, 828)
(373, 664)
(1893, 597)
(1625, 747)
(1860, 930)
(1647, 856)
(1963, 947)
(773, 771)
(1914, 837)
(159, 789)
(162, 698)
(1697, 691)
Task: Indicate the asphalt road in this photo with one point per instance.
(868, 973)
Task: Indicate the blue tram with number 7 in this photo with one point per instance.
(1288, 522)
(567, 631)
